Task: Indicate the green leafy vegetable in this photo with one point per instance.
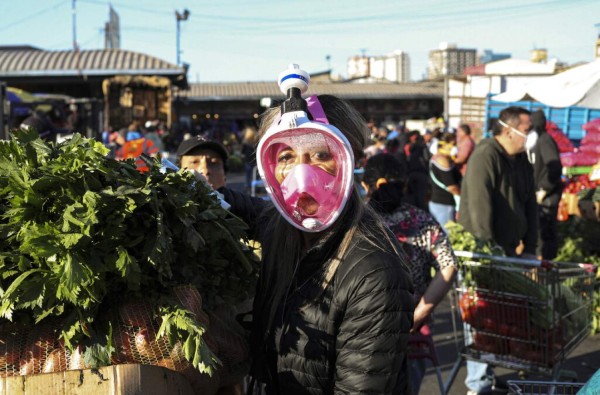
(81, 232)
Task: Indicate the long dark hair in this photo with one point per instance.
(385, 196)
(282, 253)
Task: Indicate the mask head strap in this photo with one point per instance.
(514, 130)
(316, 110)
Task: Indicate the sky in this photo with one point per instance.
(254, 40)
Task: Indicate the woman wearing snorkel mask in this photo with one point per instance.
(334, 303)
(445, 181)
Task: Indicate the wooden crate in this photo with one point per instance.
(132, 379)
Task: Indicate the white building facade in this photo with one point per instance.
(393, 67)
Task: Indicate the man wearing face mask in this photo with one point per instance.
(498, 202)
(547, 171)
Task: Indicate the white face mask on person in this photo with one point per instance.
(530, 138)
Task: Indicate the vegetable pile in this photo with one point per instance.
(82, 233)
(580, 240)
(589, 149)
(561, 139)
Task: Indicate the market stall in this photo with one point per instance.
(136, 98)
(581, 167)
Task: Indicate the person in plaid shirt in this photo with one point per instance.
(422, 238)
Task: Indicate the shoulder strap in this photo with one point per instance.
(434, 178)
(352, 257)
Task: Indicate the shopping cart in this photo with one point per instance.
(522, 387)
(524, 315)
(421, 346)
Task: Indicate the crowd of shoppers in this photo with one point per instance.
(412, 190)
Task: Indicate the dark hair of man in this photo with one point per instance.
(448, 137)
(388, 196)
(282, 255)
(465, 128)
(510, 116)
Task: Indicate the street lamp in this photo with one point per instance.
(180, 17)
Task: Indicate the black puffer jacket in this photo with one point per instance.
(349, 336)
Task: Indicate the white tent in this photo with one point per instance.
(514, 66)
(579, 86)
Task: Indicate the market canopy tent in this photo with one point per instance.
(579, 86)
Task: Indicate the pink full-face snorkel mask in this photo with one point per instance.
(307, 166)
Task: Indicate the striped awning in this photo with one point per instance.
(345, 90)
(100, 62)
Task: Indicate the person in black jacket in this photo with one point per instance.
(417, 158)
(547, 172)
(498, 195)
(498, 202)
(334, 303)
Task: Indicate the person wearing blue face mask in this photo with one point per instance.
(498, 202)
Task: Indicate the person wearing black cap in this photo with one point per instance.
(207, 157)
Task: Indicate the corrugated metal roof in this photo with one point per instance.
(38, 63)
(258, 90)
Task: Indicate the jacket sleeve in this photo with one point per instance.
(371, 346)
(551, 159)
(480, 181)
(531, 212)
(247, 207)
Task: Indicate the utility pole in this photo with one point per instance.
(179, 17)
(74, 16)
(597, 46)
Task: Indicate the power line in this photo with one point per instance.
(440, 20)
(29, 17)
(130, 7)
(443, 15)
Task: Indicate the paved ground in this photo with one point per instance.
(583, 361)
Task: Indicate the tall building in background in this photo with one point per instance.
(393, 67)
(449, 60)
(358, 67)
(112, 31)
(489, 56)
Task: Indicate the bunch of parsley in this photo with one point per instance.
(80, 232)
